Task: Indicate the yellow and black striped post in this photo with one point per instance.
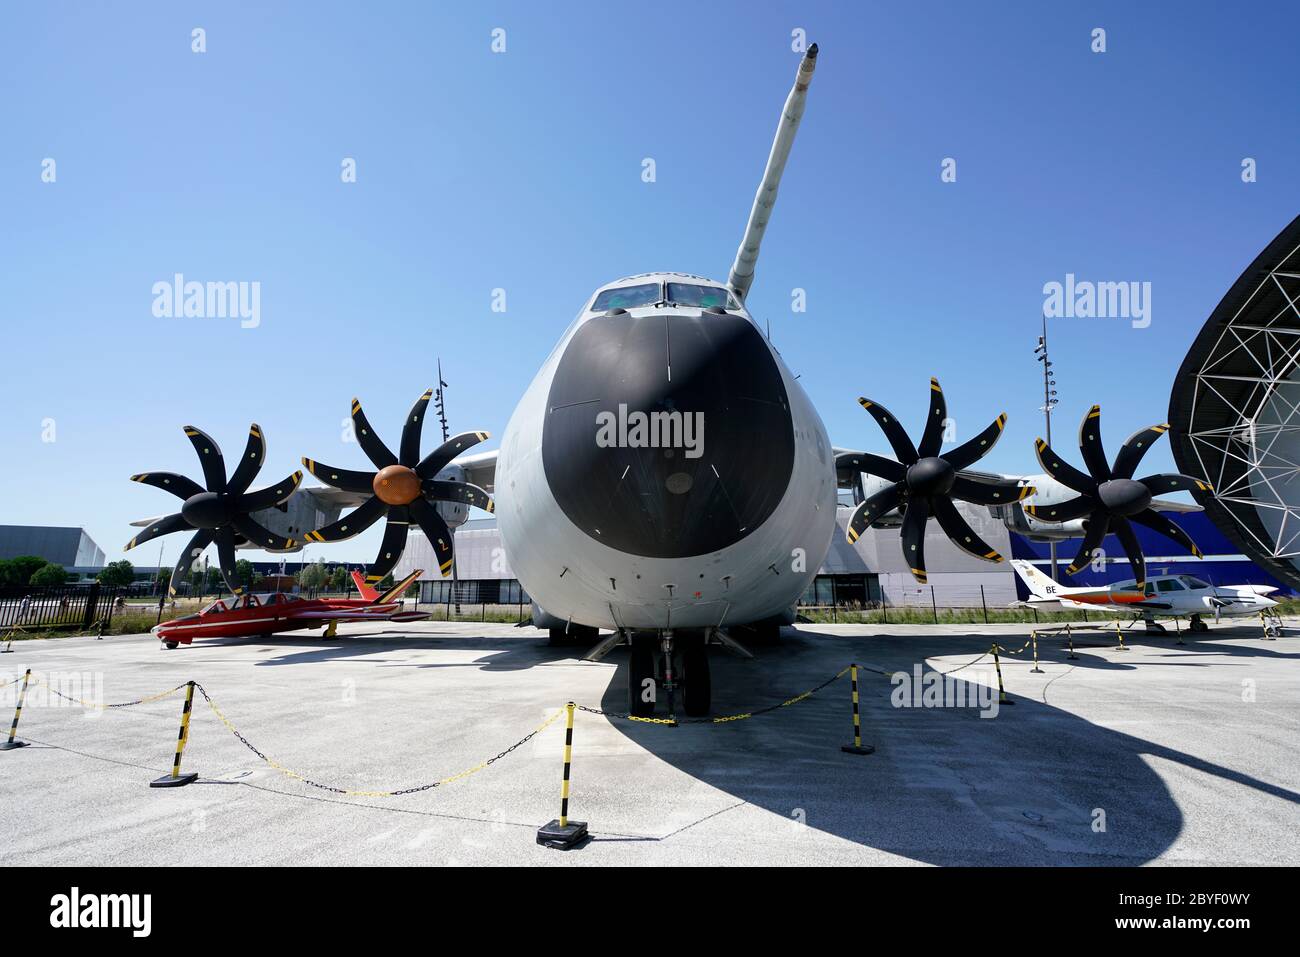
(857, 747)
(1120, 635)
(997, 666)
(1268, 632)
(1069, 637)
(562, 833)
(13, 743)
(1033, 638)
(176, 779)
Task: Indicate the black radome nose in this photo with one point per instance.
(668, 436)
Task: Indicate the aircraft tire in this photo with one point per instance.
(641, 667)
(697, 684)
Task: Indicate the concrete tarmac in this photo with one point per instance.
(1161, 754)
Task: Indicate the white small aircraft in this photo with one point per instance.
(1165, 596)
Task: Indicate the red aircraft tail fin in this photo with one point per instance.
(395, 592)
(368, 593)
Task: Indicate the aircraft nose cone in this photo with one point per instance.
(668, 436)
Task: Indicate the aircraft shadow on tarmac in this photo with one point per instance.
(944, 785)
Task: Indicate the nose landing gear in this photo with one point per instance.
(664, 664)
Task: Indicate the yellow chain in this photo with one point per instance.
(294, 775)
(104, 707)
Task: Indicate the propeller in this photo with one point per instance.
(925, 482)
(1110, 499)
(220, 509)
(404, 489)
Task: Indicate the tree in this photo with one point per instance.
(244, 572)
(313, 576)
(338, 578)
(49, 574)
(19, 571)
(387, 582)
(118, 573)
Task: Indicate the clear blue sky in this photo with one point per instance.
(522, 170)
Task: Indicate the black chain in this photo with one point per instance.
(335, 790)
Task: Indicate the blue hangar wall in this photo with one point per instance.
(1222, 565)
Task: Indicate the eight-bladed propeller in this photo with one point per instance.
(220, 511)
(404, 488)
(925, 482)
(1110, 498)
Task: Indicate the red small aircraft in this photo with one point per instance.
(245, 616)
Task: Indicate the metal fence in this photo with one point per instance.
(57, 606)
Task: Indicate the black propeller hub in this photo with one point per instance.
(1124, 497)
(209, 509)
(931, 475)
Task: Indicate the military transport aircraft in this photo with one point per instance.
(665, 476)
(1160, 596)
(248, 615)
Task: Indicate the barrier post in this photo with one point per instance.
(13, 744)
(1178, 632)
(1033, 637)
(857, 747)
(1069, 636)
(1120, 635)
(1268, 632)
(997, 665)
(562, 833)
(176, 779)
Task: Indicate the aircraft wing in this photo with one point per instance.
(480, 469)
(356, 614)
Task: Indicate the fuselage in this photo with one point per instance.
(664, 469)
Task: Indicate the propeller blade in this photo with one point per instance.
(214, 466)
(390, 549)
(1157, 522)
(1063, 472)
(251, 463)
(178, 485)
(872, 464)
(989, 493)
(354, 523)
(1134, 447)
(185, 564)
(1063, 511)
(913, 536)
(409, 454)
(1092, 539)
(260, 537)
(164, 526)
(1094, 455)
(225, 539)
(1173, 482)
(959, 530)
(932, 437)
(898, 440)
(968, 453)
(435, 529)
(437, 460)
(375, 450)
(1124, 532)
(458, 492)
(871, 509)
(270, 496)
(346, 479)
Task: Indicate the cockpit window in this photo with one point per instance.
(1195, 584)
(689, 294)
(627, 297)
